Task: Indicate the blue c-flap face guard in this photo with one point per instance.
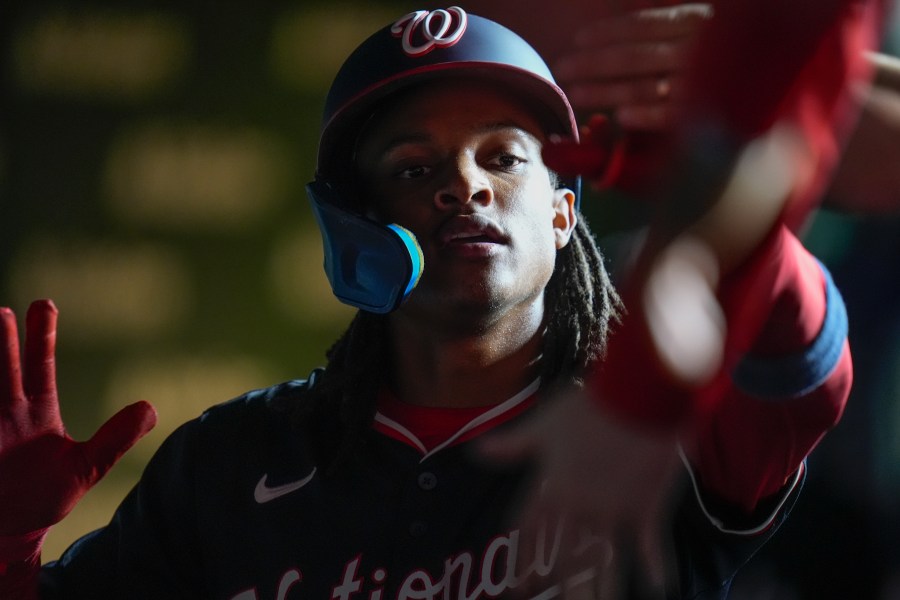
(371, 266)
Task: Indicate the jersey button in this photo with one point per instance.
(418, 528)
(427, 481)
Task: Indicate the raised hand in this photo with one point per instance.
(626, 75)
(633, 64)
(44, 472)
(607, 487)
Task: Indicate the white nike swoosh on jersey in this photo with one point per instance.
(263, 493)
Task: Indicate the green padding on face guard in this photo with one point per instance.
(370, 266)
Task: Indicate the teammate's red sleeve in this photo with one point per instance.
(766, 418)
(20, 565)
(777, 393)
(788, 390)
(740, 87)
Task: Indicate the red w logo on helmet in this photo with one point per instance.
(422, 31)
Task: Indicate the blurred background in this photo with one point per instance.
(152, 163)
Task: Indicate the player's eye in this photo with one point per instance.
(413, 172)
(507, 161)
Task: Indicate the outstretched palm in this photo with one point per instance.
(44, 472)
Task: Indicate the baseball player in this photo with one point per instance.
(394, 472)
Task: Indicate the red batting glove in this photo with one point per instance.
(44, 472)
(608, 156)
(597, 155)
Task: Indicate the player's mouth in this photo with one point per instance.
(471, 235)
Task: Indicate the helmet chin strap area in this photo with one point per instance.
(371, 266)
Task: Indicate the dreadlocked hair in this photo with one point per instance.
(340, 406)
(580, 304)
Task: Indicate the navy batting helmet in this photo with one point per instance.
(369, 265)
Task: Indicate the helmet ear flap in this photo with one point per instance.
(370, 266)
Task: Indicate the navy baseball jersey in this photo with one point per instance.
(235, 506)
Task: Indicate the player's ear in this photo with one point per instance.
(564, 216)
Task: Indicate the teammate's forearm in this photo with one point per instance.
(787, 389)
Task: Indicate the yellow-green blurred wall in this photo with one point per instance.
(152, 164)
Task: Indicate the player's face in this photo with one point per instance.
(459, 164)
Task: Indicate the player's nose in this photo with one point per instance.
(464, 182)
